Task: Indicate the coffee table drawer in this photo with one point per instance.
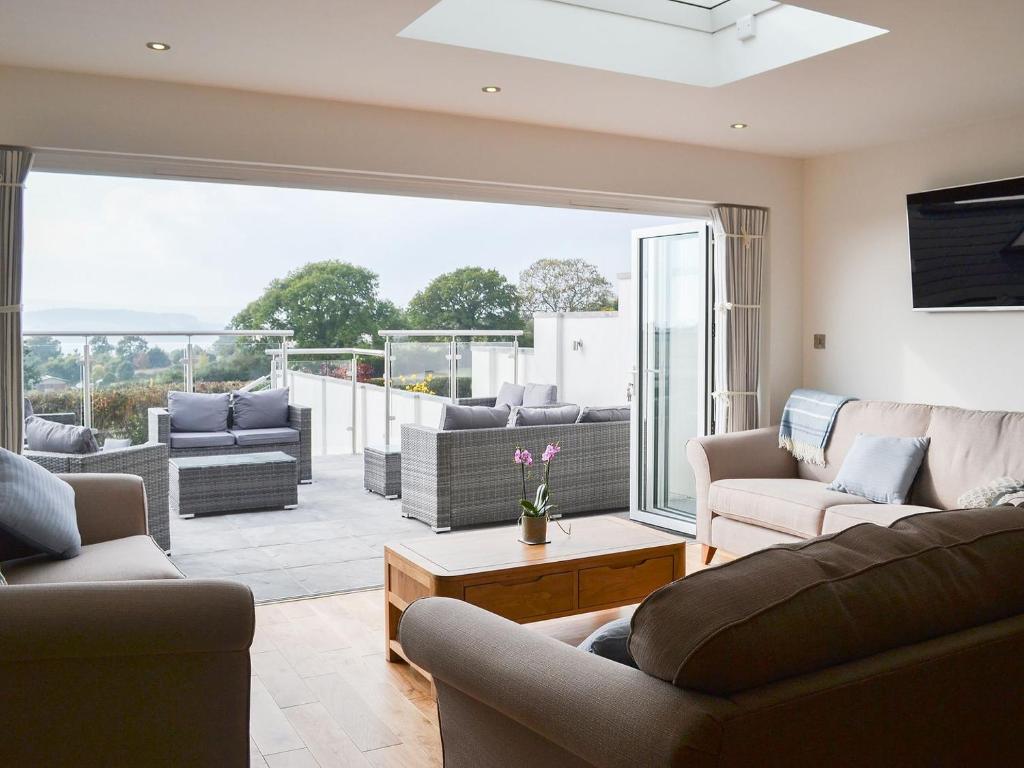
(523, 599)
(607, 585)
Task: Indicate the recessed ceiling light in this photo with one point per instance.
(158, 46)
(491, 89)
(739, 126)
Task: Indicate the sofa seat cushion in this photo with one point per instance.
(267, 436)
(201, 439)
(789, 505)
(129, 559)
(848, 515)
(794, 609)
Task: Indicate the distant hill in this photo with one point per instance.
(124, 320)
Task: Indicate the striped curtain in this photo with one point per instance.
(738, 274)
(14, 165)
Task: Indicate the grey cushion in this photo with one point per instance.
(522, 416)
(540, 394)
(37, 508)
(610, 641)
(881, 469)
(268, 436)
(261, 410)
(117, 443)
(201, 439)
(197, 412)
(510, 394)
(593, 415)
(52, 437)
(455, 417)
(28, 408)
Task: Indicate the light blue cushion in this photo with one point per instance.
(522, 416)
(53, 437)
(201, 439)
(539, 394)
(611, 641)
(881, 469)
(37, 508)
(261, 410)
(456, 417)
(510, 394)
(268, 436)
(198, 412)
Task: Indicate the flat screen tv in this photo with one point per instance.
(967, 247)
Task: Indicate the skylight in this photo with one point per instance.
(697, 42)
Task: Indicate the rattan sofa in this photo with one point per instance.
(453, 479)
(300, 418)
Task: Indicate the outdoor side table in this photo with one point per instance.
(382, 471)
(232, 483)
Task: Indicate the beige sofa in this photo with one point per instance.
(113, 658)
(751, 494)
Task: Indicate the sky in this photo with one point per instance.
(207, 249)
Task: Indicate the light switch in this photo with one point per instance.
(819, 341)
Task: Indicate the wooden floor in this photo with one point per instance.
(323, 696)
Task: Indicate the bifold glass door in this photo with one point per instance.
(671, 375)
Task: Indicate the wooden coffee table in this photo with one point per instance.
(607, 562)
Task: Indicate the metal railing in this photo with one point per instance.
(188, 359)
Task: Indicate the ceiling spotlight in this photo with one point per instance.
(739, 126)
(158, 46)
(491, 89)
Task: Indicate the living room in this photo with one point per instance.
(830, 146)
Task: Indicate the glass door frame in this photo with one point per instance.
(705, 365)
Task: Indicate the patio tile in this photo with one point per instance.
(271, 585)
(226, 562)
(304, 513)
(294, 533)
(340, 577)
(190, 541)
(320, 552)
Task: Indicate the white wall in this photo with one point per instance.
(73, 113)
(857, 277)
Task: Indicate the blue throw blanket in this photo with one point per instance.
(807, 423)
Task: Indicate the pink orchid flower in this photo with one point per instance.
(527, 458)
(550, 452)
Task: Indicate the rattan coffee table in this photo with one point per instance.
(232, 483)
(607, 562)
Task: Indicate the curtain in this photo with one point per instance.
(738, 276)
(14, 165)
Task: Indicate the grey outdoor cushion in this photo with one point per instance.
(540, 394)
(197, 412)
(593, 415)
(522, 416)
(28, 408)
(510, 394)
(201, 439)
(261, 410)
(52, 437)
(610, 641)
(455, 417)
(881, 469)
(268, 436)
(37, 508)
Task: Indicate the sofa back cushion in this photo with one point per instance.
(799, 608)
(260, 410)
(37, 508)
(522, 416)
(591, 414)
(198, 412)
(539, 394)
(53, 437)
(510, 394)
(457, 417)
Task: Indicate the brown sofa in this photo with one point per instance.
(875, 646)
(113, 658)
(752, 494)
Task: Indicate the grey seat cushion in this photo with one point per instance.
(590, 414)
(37, 508)
(522, 416)
(510, 394)
(201, 439)
(52, 437)
(799, 608)
(881, 469)
(457, 417)
(198, 412)
(539, 394)
(260, 410)
(129, 559)
(268, 436)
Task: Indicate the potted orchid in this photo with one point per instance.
(536, 512)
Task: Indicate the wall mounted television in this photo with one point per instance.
(967, 247)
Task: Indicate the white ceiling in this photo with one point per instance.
(944, 62)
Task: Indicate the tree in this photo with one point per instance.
(564, 285)
(157, 358)
(132, 348)
(466, 299)
(41, 348)
(327, 304)
(100, 345)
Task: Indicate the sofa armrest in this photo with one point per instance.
(752, 453)
(608, 714)
(108, 506)
(159, 421)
